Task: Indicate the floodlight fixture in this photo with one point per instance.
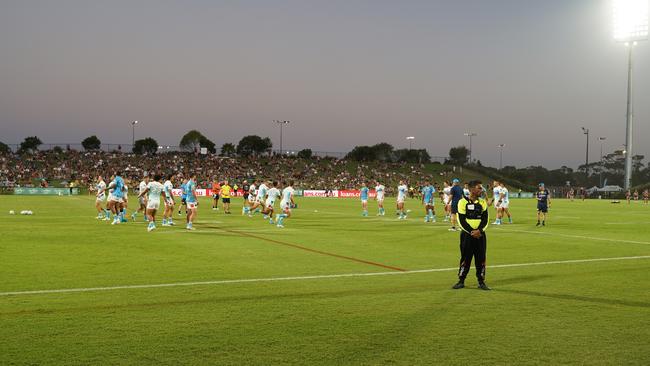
(630, 20)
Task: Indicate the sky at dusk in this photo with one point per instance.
(344, 72)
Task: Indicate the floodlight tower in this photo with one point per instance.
(586, 132)
(470, 135)
(133, 123)
(410, 140)
(281, 123)
(501, 146)
(630, 26)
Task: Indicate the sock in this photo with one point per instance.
(164, 221)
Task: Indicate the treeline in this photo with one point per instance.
(385, 152)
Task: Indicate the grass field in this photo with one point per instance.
(328, 289)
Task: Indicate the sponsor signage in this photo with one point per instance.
(46, 191)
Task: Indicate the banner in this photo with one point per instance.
(355, 193)
(46, 191)
(320, 193)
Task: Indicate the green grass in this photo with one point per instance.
(591, 313)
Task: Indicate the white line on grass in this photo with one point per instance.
(576, 236)
(300, 278)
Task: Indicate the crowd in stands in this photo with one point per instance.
(82, 167)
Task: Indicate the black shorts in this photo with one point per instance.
(542, 208)
(225, 200)
(184, 201)
(246, 196)
(454, 207)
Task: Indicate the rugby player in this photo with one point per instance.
(446, 200)
(363, 195)
(102, 214)
(402, 191)
(380, 192)
(504, 198)
(183, 188)
(428, 201)
(168, 214)
(259, 198)
(191, 201)
(271, 196)
(543, 197)
(142, 200)
(286, 204)
(456, 196)
(155, 189)
(245, 193)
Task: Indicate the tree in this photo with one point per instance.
(145, 146)
(4, 148)
(253, 144)
(194, 140)
(413, 156)
(30, 145)
(305, 154)
(362, 153)
(57, 150)
(91, 143)
(383, 151)
(458, 155)
(228, 149)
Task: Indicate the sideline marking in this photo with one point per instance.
(575, 236)
(299, 278)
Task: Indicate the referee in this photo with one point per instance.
(472, 219)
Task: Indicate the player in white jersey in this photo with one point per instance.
(286, 204)
(168, 214)
(258, 204)
(446, 200)
(154, 190)
(102, 214)
(380, 193)
(496, 195)
(142, 200)
(271, 196)
(402, 190)
(504, 206)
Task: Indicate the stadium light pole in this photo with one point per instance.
(630, 26)
(586, 132)
(133, 123)
(470, 135)
(601, 139)
(501, 146)
(281, 123)
(410, 140)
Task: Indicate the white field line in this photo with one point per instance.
(302, 278)
(576, 236)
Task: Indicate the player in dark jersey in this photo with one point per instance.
(543, 197)
(246, 194)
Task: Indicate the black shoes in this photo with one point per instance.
(459, 285)
(538, 223)
(483, 286)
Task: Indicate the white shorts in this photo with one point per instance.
(169, 203)
(191, 205)
(153, 204)
(285, 206)
(116, 199)
(400, 200)
(142, 200)
(251, 199)
(269, 204)
(258, 199)
(380, 199)
(504, 204)
(100, 198)
(364, 201)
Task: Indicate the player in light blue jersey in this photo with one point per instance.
(258, 203)
(183, 196)
(428, 201)
(191, 201)
(286, 204)
(117, 196)
(365, 192)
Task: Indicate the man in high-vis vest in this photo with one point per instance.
(472, 218)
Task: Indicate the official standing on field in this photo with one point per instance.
(473, 219)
